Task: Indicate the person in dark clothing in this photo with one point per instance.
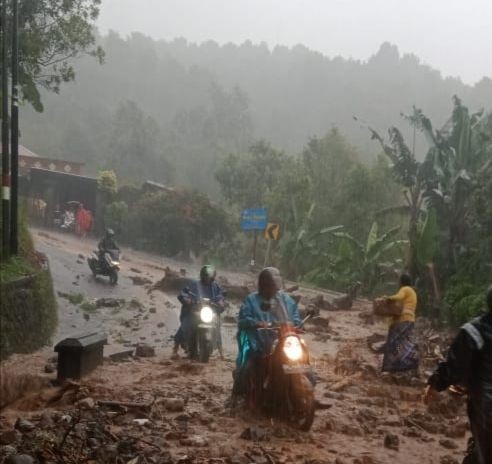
(205, 287)
(108, 242)
(105, 244)
(469, 365)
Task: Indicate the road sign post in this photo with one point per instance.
(254, 219)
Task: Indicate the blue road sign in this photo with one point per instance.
(254, 219)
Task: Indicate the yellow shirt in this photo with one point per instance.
(408, 297)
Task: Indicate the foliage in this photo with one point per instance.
(14, 268)
(368, 262)
(246, 181)
(464, 299)
(411, 174)
(458, 151)
(51, 34)
(134, 146)
(107, 183)
(176, 223)
(27, 299)
(115, 215)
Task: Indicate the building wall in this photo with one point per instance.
(68, 167)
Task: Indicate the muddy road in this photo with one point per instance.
(176, 411)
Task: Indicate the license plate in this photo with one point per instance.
(298, 369)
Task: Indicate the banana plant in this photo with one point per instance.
(301, 249)
(368, 262)
(457, 153)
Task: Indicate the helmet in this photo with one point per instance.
(109, 233)
(270, 275)
(208, 272)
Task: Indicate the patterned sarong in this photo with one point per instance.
(400, 351)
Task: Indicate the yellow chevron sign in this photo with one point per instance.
(272, 231)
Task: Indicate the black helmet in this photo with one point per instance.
(208, 272)
(109, 233)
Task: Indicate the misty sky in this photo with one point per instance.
(452, 36)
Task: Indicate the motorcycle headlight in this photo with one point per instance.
(206, 314)
(293, 348)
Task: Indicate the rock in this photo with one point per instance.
(239, 459)
(254, 434)
(93, 443)
(81, 256)
(49, 368)
(87, 403)
(24, 425)
(321, 323)
(9, 437)
(7, 450)
(109, 303)
(19, 459)
(141, 422)
(135, 270)
(448, 460)
(174, 404)
(448, 444)
(152, 310)
(364, 460)
(457, 430)
(121, 355)
(144, 351)
(160, 325)
(46, 420)
(392, 442)
(138, 280)
(195, 441)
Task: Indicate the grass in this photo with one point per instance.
(75, 298)
(14, 268)
(88, 307)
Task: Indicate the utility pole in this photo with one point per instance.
(5, 140)
(14, 137)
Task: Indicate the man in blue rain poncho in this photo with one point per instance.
(190, 296)
(269, 305)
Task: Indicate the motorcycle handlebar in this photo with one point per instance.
(297, 328)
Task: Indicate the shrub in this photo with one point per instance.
(464, 300)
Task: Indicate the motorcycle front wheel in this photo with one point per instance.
(204, 347)
(302, 403)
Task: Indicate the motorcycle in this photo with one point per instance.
(68, 222)
(282, 385)
(204, 330)
(106, 264)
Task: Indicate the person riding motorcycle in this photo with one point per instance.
(269, 305)
(107, 243)
(205, 287)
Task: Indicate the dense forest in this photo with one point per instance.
(177, 104)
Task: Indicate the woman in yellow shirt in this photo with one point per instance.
(400, 350)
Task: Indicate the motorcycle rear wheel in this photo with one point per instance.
(113, 278)
(92, 267)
